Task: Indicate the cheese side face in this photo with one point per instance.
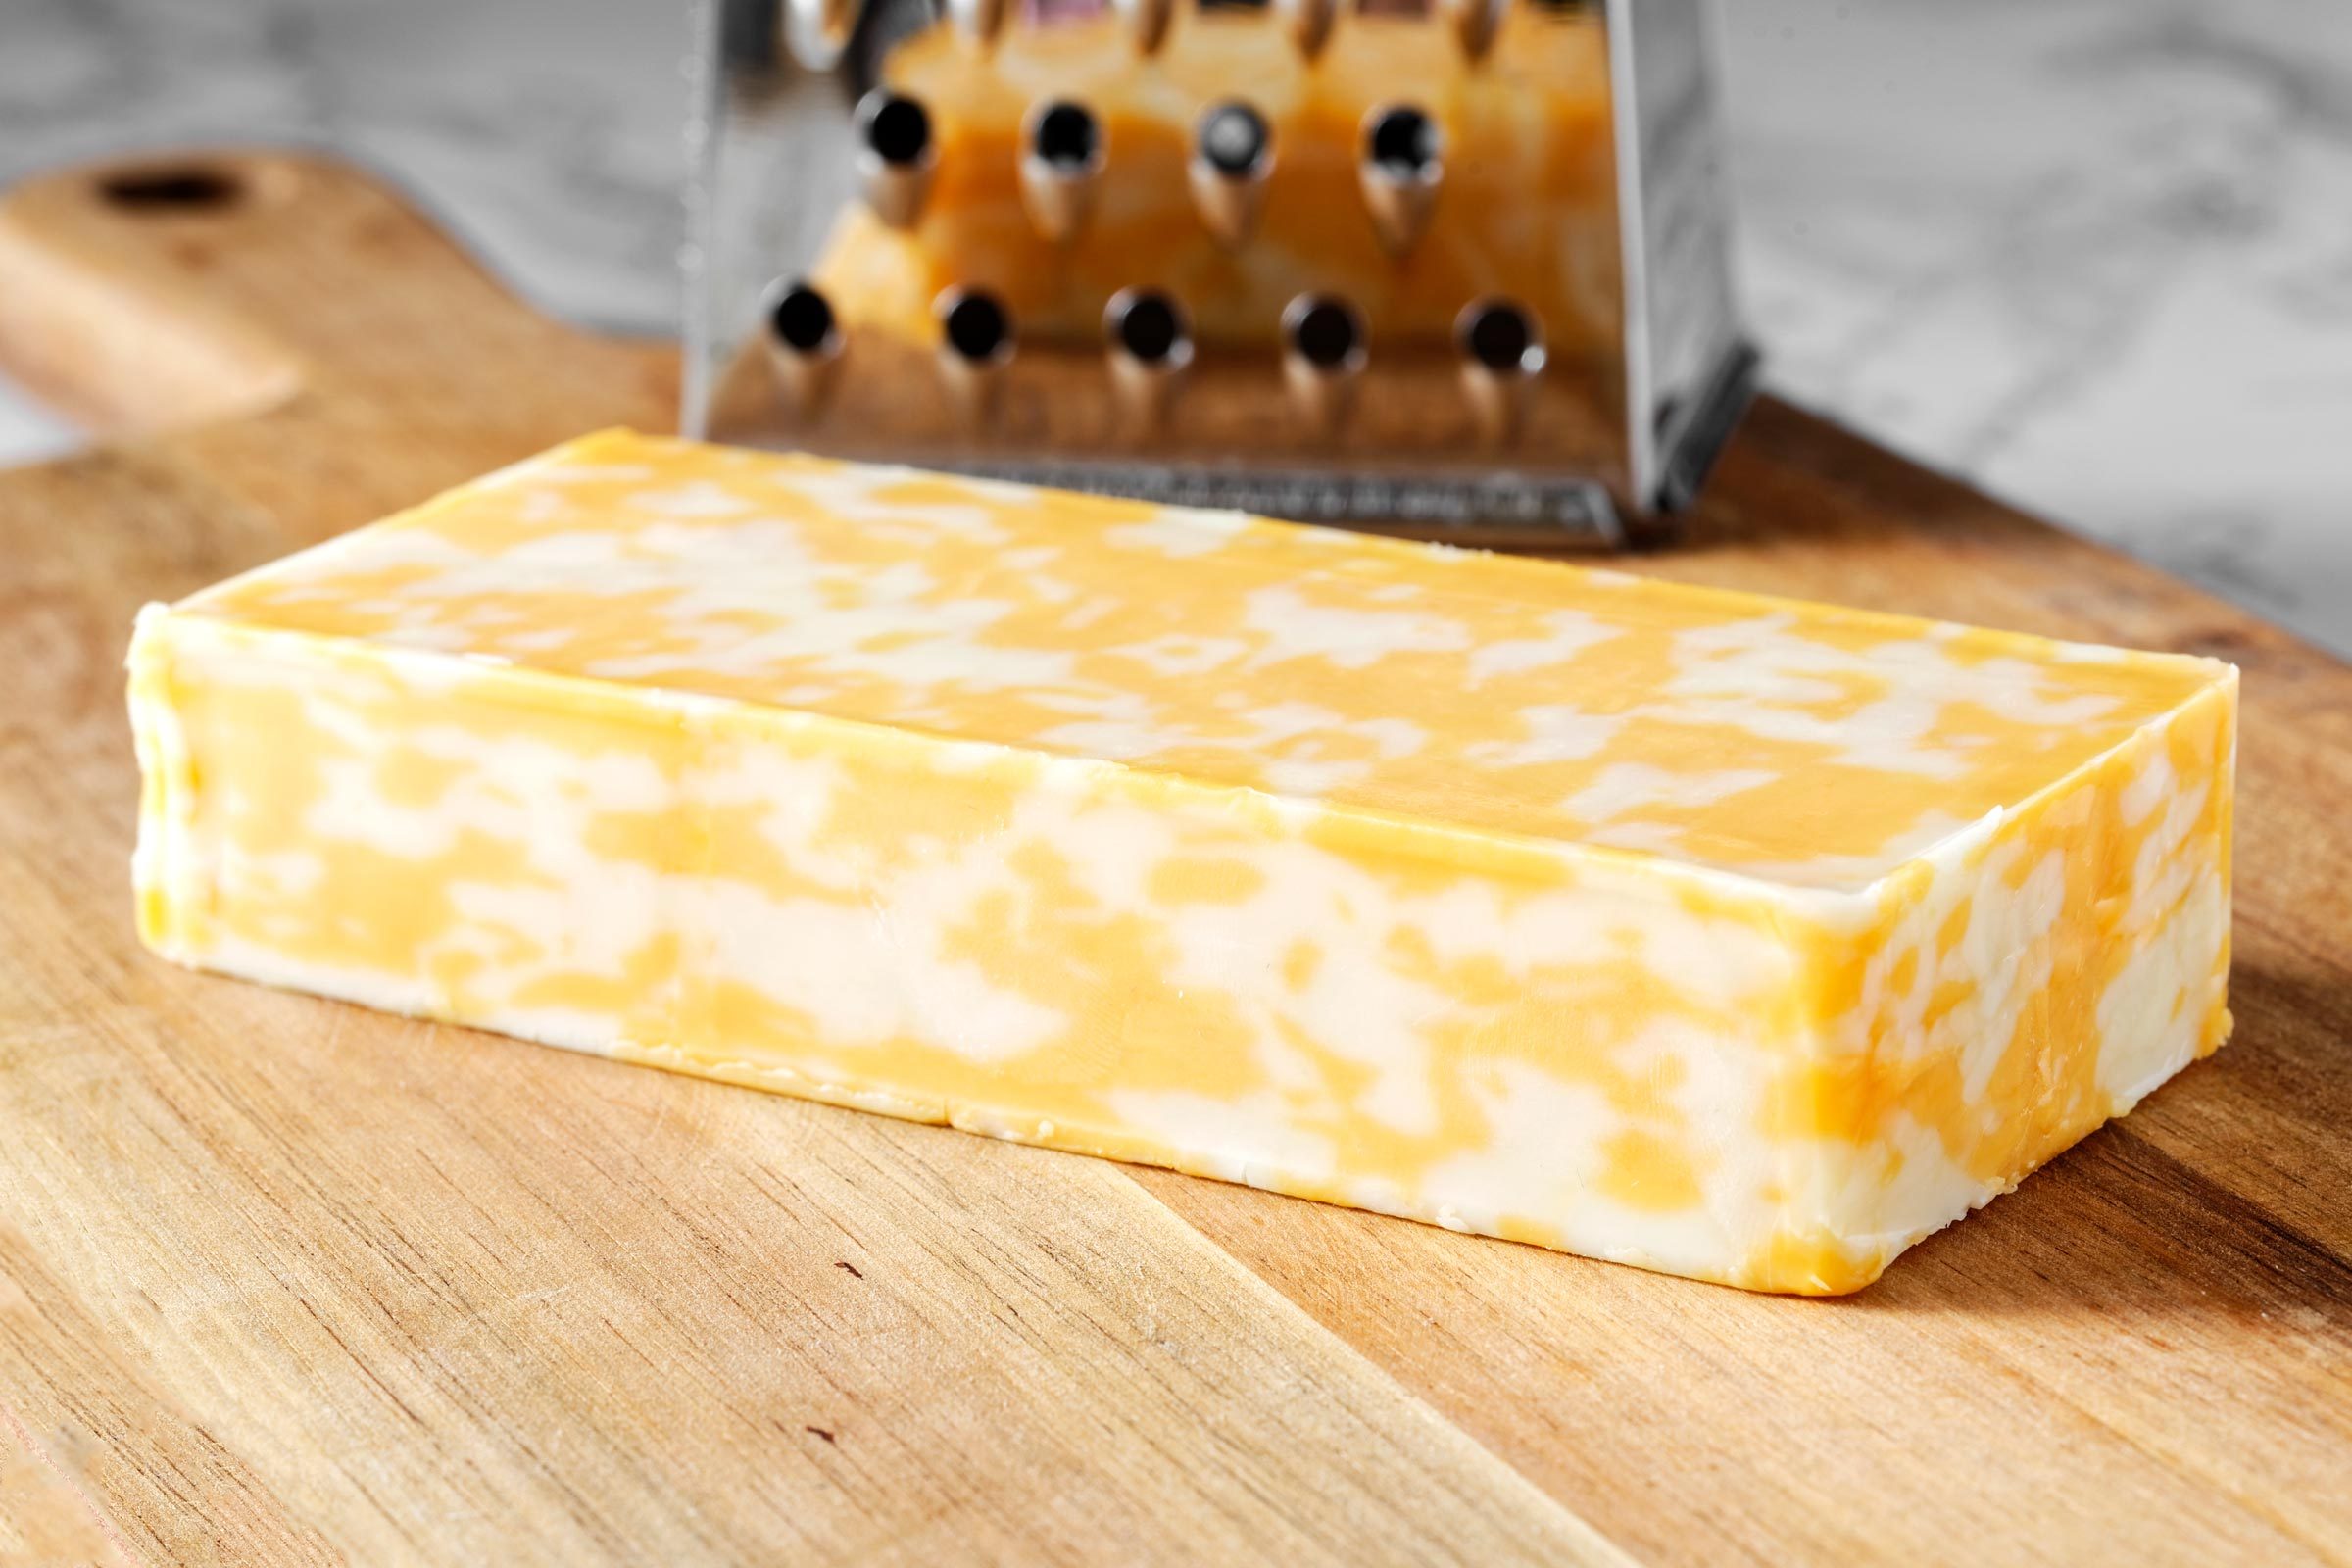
(1741, 938)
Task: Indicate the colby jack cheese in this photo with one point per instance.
(1738, 937)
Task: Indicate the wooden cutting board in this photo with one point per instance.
(283, 1281)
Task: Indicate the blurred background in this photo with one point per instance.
(2095, 255)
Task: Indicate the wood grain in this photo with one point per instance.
(282, 1281)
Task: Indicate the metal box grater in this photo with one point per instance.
(1442, 263)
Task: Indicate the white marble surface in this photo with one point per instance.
(2096, 255)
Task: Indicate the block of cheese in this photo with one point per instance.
(1737, 938)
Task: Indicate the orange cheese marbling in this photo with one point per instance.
(1732, 937)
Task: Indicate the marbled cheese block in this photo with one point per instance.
(1738, 937)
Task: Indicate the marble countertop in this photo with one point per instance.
(2094, 255)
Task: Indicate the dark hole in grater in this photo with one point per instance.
(1234, 139)
(899, 131)
(1068, 136)
(1326, 334)
(188, 187)
(1403, 142)
(977, 327)
(1150, 328)
(1499, 336)
(802, 319)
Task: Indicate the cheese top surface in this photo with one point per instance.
(1789, 742)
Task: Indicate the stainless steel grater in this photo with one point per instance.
(1433, 263)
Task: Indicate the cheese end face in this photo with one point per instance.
(458, 767)
(2010, 993)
